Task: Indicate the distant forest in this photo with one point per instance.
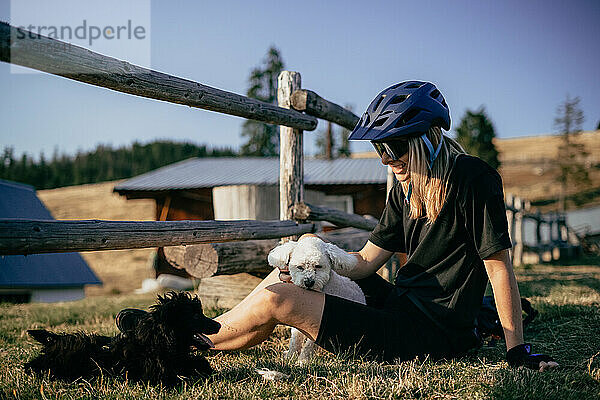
(101, 164)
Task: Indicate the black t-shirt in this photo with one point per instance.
(444, 271)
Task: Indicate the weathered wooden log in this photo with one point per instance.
(74, 62)
(226, 291)
(19, 236)
(349, 239)
(291, 154)
(204, 260)
(313, 104)
(303, 211)
(518, 248)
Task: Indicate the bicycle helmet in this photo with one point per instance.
(403, 110)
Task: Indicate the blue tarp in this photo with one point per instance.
(37, 270)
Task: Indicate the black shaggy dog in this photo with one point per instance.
(163, 347)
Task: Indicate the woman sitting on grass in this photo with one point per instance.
(445, 219)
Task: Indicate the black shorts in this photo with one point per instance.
(387, 328)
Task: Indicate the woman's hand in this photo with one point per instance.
(520, 356)
(307, 235)
(284, 272)
(284, 275)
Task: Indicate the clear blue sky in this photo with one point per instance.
(518, 58)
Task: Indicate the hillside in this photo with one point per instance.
(122, 271)
(529, 168)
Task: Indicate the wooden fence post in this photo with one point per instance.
(390, 181)
(392, 263)
(291, 156)
(518, 229)
(553, 229)
(563, 234)
(538, 229)
(538, 236)
(510, 216)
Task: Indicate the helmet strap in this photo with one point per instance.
(432, 154)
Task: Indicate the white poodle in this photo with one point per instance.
(312, 264)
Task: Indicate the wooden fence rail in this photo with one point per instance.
(313, 104)
(561, 241)
(205, 260)
(20, 236)
(74, 62)
(303, 211)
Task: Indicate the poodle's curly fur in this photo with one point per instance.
(162, 348)
(313, 264)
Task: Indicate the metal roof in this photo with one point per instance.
(196, 173)
(37, 270)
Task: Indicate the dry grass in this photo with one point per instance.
(95, 201)
(567, 297)
(543, 148)
(529, 165)
(122, 271)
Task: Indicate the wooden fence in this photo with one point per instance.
(297, 110)
(551, 237)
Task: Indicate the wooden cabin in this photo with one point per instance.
(248, 188)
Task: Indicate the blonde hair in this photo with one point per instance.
(429, 186)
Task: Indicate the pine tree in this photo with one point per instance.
(325, 142)
(329, 145)
(263, 139)
(476, 135)
(571, 154)
(102, 164)
(8, 162)
(343, 149)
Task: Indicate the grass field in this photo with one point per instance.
(568, 298)
(568, 327)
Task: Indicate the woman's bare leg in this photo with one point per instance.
(269, 304)
(272, 278)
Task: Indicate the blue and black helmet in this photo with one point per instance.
(403, 110)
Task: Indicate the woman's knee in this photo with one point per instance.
(280, 300)
(271, 299)
(290, 303)
(279, 295)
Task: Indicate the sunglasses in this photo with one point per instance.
(394, 149)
